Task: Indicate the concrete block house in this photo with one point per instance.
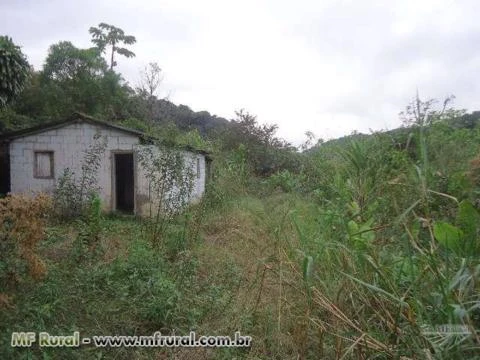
(32, 160)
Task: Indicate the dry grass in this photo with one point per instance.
(22, 226)
(269, 300)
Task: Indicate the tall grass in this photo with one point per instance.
(385, 281)
(370, 252)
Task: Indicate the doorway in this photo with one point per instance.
(124, 183)
(4, 169)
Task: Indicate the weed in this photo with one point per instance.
(22, 227)
(72, 196)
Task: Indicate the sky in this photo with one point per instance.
(325, 66)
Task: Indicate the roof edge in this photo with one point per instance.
(78, 117)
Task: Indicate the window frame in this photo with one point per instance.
(50, 154)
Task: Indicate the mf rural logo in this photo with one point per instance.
(27, 339)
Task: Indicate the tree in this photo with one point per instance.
(72, 80)
(66, 62)
(423, 113)
(109, 35)
(75, 79)
(250, 131)
(265, 153)
(309, 142)
(151, 78)
(14, 71)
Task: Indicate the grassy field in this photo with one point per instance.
(249, 271)
(229, 280)
(370, 252)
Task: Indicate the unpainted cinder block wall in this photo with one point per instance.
(144, 196)
(69, 144)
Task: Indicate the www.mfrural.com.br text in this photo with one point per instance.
(44, 339)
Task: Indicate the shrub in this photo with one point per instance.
(90, 228)
(285, 180)
(147, 285)
(474, 171)
(73, 195)
(22, 225)
(170, 175)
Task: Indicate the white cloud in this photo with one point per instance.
(326, 66)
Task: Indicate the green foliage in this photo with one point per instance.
(169, 172)
(465, 285)
(66, 195)
(14, 71)
(89, 227)
(468, 219)
(94, 217)
(394, 241)
(134, 123)
(73, 196)
(11, 121)
(264, 152)
(132, 295)
(307, 268)
(76, 79)
(361, 171)
(149, 284)
(462, 238)
(65, 63)
(365, 242)
(447, 235)
(194, 140)
(362, 235)
(286, 181)
(237, 167)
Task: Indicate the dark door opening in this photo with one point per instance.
(4, 169)
(124, 183)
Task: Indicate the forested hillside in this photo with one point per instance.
(74, 79)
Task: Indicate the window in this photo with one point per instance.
(198, 168)
(43, 165)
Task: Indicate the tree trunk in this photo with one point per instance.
(111, 59)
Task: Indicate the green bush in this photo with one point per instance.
(148, 286)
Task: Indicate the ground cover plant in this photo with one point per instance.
(363, 247)
(365, 253)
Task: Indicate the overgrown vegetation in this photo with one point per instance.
(170, 177)
(74, 194)
(22, 227)
(365, 247)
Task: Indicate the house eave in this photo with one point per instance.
(79, 117)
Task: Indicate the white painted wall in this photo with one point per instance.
(69, 144)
